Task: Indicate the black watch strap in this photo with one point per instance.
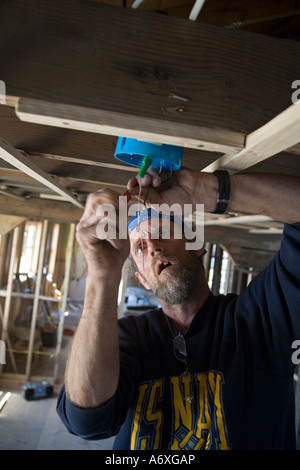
(223, 198)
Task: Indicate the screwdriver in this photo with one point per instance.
(143, 169)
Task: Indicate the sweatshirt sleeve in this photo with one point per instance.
(267, 314)
(87, 423)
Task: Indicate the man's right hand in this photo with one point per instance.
(183, 187)
(105, 257)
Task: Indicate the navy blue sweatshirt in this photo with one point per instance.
(237, 389)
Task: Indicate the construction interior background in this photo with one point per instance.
(220, 78)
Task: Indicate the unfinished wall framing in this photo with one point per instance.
(36, 270)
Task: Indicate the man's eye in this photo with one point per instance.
(141, 248)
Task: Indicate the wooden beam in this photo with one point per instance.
(243, 219)
(9, 222)
(274, 137)
(75, 60)
(86, 162)
(245, 249)
(63, 306)
(18, 160)
(122, 124)
(8, 192)
(10, 278)
(26, 188)
(242, 238)
(70, 146)
(36, 300)
(282, 163)
(83, 171)
(55, 141)
(77, 146)
(41, 209)
(244, 258)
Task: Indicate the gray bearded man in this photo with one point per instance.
(203, 371)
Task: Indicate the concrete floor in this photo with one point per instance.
(35, 425)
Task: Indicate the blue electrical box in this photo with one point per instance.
(164, 157)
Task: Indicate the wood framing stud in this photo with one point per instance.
(36, 299)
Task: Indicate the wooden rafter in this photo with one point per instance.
(40, 208)
(18, 160)
(274, 137)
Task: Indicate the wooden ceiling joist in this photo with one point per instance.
(18, 160)
(238, 220)
(214, 71)
(37, 208)
(274, 137)
(73, 146)
(160, 130)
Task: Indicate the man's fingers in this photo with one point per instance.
(100, 218)
(103, 196)
(151, 178)
(98, 232)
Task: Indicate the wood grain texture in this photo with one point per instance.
(129, 62)
(144, 128)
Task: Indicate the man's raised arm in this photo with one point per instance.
(274, 195)
(92, 371)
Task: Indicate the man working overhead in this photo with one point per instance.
(204, 371)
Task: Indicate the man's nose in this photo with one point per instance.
(154, 252)
(154, 249)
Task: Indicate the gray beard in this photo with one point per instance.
(179, 283)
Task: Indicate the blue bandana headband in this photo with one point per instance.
(150, 213)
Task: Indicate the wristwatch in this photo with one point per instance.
(223, 198)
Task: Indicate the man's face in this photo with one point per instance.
(164, 265)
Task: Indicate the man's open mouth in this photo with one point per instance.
(162, 265)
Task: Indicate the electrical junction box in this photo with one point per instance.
(37, 390)
(164, 157)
